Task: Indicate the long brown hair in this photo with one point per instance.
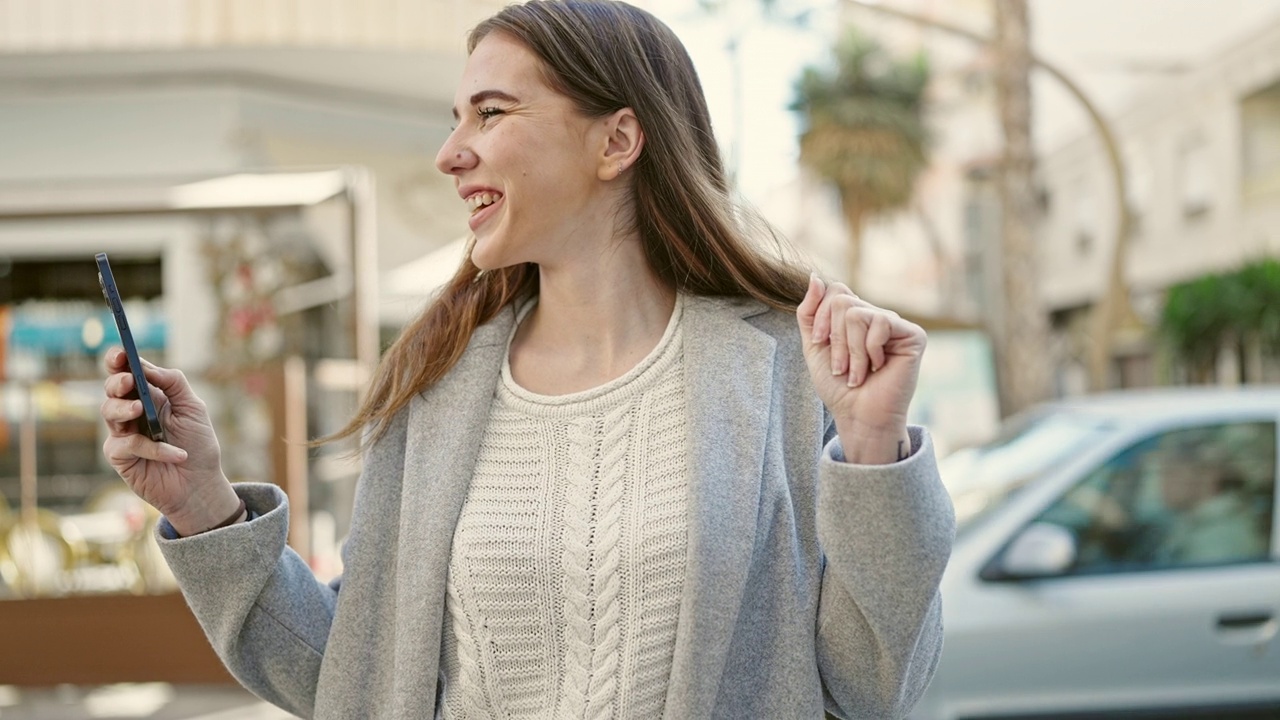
(604, 56)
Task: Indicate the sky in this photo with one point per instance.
(771, 56)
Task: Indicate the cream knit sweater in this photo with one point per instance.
(569, 557)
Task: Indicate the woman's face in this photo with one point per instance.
(522, 159)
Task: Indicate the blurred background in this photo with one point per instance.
(1072, 197)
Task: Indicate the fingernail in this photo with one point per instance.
(854, 381)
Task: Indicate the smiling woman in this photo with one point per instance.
(624, 465)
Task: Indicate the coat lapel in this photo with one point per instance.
(445, 427)
(728, 382)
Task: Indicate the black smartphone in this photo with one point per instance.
(149, 423)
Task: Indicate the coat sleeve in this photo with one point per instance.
(885, 533)
(263, 610)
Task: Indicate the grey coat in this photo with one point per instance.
(810, 582)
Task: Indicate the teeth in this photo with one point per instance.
(479, 200)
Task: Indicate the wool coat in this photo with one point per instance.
(810, 582)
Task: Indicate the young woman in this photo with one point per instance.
(624, 465)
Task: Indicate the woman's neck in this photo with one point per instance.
(594, 321)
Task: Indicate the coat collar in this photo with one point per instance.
(728, 367)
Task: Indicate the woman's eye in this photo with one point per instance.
(487, 113)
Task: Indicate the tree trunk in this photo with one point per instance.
(855, 217)
(1022, 340)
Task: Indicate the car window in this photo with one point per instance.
(983, 478)
(1188, 497)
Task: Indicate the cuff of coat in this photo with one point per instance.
(260, 499)
(834, 451)
(222, 572)
(867, 510)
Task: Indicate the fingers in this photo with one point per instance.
(840, 349)
(115, 360)
(165, 383)
(121, 415)
(868, 331)
(171, 383)
(121, 385)
(879, 331)
(122, 450)
(808, 307)
(824, 320)
(860, 336)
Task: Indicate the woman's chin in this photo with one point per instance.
(486, 259)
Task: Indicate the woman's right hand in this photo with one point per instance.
(182, 478)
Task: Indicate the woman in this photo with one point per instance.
(598, 480)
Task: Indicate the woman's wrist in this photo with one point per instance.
(874, 446)
(224, 508)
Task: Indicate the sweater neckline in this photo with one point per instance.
(658, 353)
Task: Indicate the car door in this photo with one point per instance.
(1170, 604)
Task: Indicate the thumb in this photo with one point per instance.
(808, 308)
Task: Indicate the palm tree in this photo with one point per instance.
(864, 130)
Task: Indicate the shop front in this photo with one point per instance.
(261, 288)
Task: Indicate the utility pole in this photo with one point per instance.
(1022, 336)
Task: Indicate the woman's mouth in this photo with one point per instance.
(482, 205)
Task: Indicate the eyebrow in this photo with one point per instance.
(486, 95)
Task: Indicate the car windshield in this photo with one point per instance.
(984, 477)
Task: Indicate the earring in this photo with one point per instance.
(619, 167)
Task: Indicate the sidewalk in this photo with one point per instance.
(152, 701)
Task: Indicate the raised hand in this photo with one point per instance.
(182, 478)
(864, 362)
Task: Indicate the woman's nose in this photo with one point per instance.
(454, 157)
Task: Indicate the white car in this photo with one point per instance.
(1117, 556)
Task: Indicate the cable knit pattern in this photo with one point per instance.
(569, 557)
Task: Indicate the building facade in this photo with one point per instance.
(109, 112)
(1201, 150)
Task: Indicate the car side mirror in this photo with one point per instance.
(1041, 550)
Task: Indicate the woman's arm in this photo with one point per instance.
(885, 522)
(885, 533)
(263, 610)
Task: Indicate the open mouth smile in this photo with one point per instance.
(482, 205)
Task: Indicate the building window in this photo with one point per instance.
(1085, 218)
(1137, 192)
(1260, 142)
(1196, 175)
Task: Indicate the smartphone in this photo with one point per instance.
(149, 423)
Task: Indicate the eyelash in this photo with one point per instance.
(487, 113)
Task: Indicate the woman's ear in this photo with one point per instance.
(623, 141)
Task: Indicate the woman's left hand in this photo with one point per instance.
(864, 362)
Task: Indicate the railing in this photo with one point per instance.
(48, 26)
